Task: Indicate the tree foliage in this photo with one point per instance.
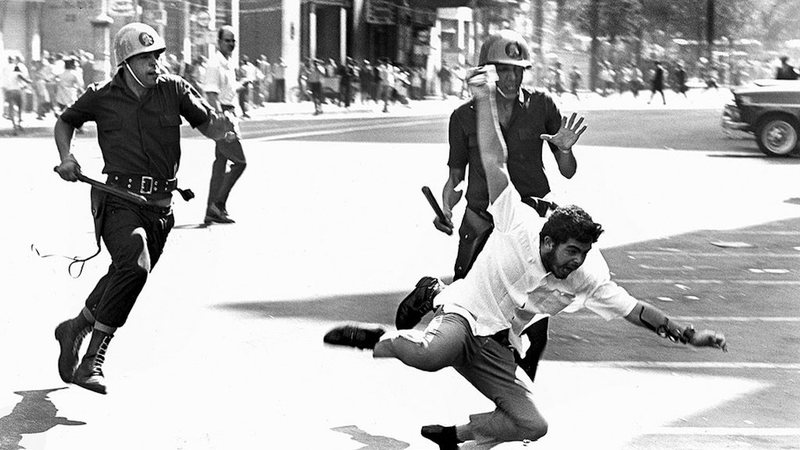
(769, 21)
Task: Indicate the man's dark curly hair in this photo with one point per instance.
(571, 222)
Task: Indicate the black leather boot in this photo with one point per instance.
(69, 335)
(89, 374)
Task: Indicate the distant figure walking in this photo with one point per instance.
(657, 82)
(786, 71)
(680, 80)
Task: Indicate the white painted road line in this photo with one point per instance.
(702, 319)
(339, 130)
(720, 431)
(700, 281)
(757, 232)
(738, 319)
(661, 253)
(679, 365)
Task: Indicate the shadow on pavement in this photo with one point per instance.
(791, 159)
(371, 442)
(191, 226)
(372, 308)
(34, 414)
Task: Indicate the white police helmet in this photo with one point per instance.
(505, 47)
(134, 39)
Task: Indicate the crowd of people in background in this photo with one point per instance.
(55, 81)
(656, 75)
(49, 86)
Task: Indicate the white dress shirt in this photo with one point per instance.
(221, 78)
(508, 285)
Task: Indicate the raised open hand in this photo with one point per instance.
(568, 134)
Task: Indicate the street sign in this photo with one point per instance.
(380, 12)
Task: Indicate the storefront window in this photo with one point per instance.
(449, 35)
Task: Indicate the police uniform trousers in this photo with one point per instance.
(121, 227)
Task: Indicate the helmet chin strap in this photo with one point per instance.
(504, 95)
(134, 75)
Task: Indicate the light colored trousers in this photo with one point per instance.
(485, 362)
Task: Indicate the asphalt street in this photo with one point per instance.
(223, 349)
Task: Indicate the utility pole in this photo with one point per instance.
(537, 13)
(102, 43)
(212, 25)
(710, 28)
(235, 24)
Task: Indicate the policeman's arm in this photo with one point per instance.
(566, 135)
(450, 196)
(213, 100)
(451, 193)
(567, 165)
(648, 316)
(69, 168)
(217, 127)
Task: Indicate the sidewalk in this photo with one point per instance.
(697, 99)
(39, 128)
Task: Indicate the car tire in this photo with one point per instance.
(777, 135)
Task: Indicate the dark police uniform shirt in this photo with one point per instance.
(534, 113)
(139, 136)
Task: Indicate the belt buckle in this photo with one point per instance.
(146, 186)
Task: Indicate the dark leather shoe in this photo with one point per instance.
(89, 374)
(418, 303)
(69, 335)
(358, 336)
(445, 437)
(214, 215)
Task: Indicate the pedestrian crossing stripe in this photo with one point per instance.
(680, 365)
(661, 253)
(722, 431)
(703, 281)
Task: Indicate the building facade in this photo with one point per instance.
(406, 32)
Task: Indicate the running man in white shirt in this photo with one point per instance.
(530, 265)
(221, 90)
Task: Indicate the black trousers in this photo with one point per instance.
(222, 180)
(134, 237)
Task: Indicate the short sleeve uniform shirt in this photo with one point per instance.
(139, 136)
(535, 113)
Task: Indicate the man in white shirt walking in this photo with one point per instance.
(221, 90)
(530, 265)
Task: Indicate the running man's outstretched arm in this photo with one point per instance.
(648, 316)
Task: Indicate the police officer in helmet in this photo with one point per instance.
(527, 118)
(138, 115)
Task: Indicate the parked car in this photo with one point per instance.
(770, 109)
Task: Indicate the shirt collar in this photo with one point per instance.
(224, 58)
(523, 99)
(541, 272)
(117, 81)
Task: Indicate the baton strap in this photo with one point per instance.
(74, 259)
